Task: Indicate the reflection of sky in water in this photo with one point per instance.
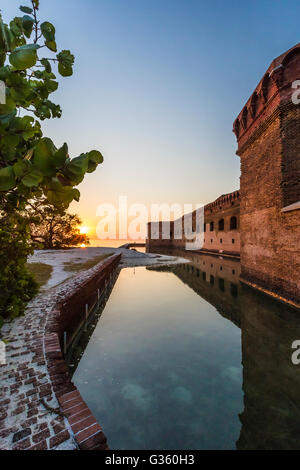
(163, 368)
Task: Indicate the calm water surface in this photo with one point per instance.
(163, 368)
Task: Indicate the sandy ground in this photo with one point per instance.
(130, 258)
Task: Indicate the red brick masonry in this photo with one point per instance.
(40, 408)
(87, 432)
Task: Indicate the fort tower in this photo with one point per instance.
(268, 135)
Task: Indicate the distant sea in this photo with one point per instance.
(112, 243)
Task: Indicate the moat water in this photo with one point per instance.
(186, 357)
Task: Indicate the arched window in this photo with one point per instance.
(204, 227)
(221, 224)
(211, 225)
(245, 117)
(254, 104)
(236, 128)
(233, 223)
(265, 87)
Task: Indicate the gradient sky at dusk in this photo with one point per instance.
(156, 88)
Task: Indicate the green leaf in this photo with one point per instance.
(76, 194)
(26, 10)
(47, 65)
(16, 26)
(51, 45)
(7, 178)
(61, 156)
(34, 178)
(27, 23)
(76, 168)
(65, 57)
(10, 140)
(9, 106)
(65, 70)
(29, 47)
(2, 58)
(59, 194)
(6, 118)
(51, 85)
(91, 167)
(20, 167)
(48, 31)
(95, 156)
(43, 156)
(24, 57)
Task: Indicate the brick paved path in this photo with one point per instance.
(25, 423)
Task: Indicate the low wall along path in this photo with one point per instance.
(40, 408)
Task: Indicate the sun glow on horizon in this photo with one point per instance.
(84, 230)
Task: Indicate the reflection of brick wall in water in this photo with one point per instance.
(267, 131)
(271, 382)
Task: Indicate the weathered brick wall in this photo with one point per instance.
(65, 316)
(40, 408)
(269, 147)
(227, 240)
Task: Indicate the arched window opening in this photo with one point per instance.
(265, 87)
(212, 226)
(236, 128)
(233, 223)
(245, 117)
(221, 224)
(254, 104)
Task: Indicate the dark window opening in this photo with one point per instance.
(233, 223)
(222, 284)
(204, 276)
(221, 240)
(245, 117)
(254, 104)
(221, 224)
(265, 87)
(212, 280)
(211, 225)
(234, 290)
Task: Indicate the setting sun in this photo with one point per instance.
(84, 230)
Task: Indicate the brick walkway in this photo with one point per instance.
(25, 422)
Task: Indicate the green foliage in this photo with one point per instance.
(17, 286)
(31, 166)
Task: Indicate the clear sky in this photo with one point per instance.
(156, 88)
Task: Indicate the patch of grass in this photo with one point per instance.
(41, 272)
(84, 265)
